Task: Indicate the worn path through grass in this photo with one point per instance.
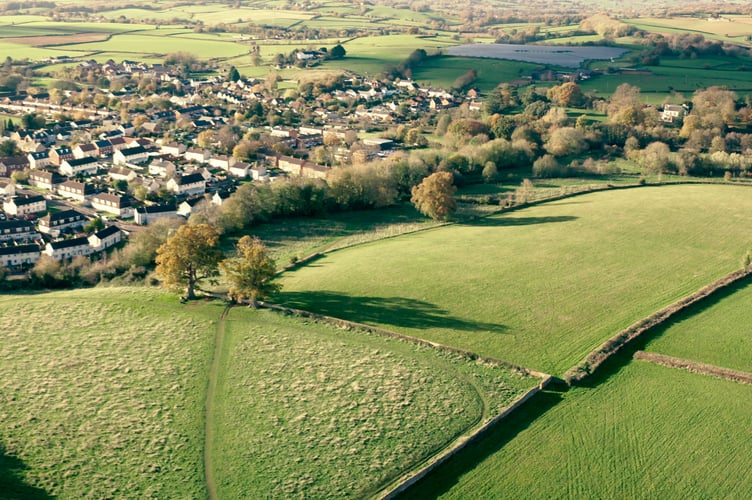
(211, 390)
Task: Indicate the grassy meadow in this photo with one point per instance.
(715, 333)
(102, 392)
(309, 410)
(646, 432)
(540, 287)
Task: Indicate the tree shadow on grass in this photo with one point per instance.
(393, 311)
(447, 475)
(519, 221)
(12, 485)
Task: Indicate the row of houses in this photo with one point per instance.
(25, 255)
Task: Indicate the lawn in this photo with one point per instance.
(310, 410)
(716, 333)
(540, 287)
(647, 432)
(102, 392)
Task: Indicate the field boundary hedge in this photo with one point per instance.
(695, 367)
(596, 358)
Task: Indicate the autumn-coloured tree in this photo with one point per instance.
(434, 196)
(188, 256)
(251, 273)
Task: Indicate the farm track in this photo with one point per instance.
(209, 405)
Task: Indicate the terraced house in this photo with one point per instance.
(25, 205)
(18, 256)
(17, 230)
(58, 222)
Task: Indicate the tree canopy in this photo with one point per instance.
(337, 52)
(188, 256)
(434, 196)
(251, 273)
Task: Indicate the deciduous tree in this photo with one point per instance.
(434, 196)
(251, 274)
(188, 256)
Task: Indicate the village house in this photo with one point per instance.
(25, 205)
(145, 215)
(162, 168)
(113, 204)
(80, 166)
(59, 154)
(134, 155)
(197, 155)
(39, 159)
(121, 174)
(222, 161)
(172, 149)
(187, 185)
(7, 188)
(55, 223)
(104, 147)
(220, 197)
(241, 170)
(18, 230)
(75, 190)
(44, 179)
(106, 238)
(185, 209)
(11, 164)
(19, 256)
(672, 113)
(67, 249)
(85, 150)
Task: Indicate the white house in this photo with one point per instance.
(56, 222)
(135, 155)
(19, 255)
(112, 203)
(17, 230)
(67, 249)
(187, 185)
(162, 168)
(197, 155)
(222, 161)
(107, 237)
(144, 215)
(79, 166)
(24, 205)
(75, 190)
(172, 149)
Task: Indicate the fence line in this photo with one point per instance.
(695, 367)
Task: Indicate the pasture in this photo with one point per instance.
(442, 71)
(645, 432)
(102, 391)
(538, 287)
(728, 28)
(715, 333)
(322, 412)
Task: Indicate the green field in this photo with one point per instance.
(539, 287)
(442, 71)
(646, 432)
(102, 392)
(717, 334)
(323, 412)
